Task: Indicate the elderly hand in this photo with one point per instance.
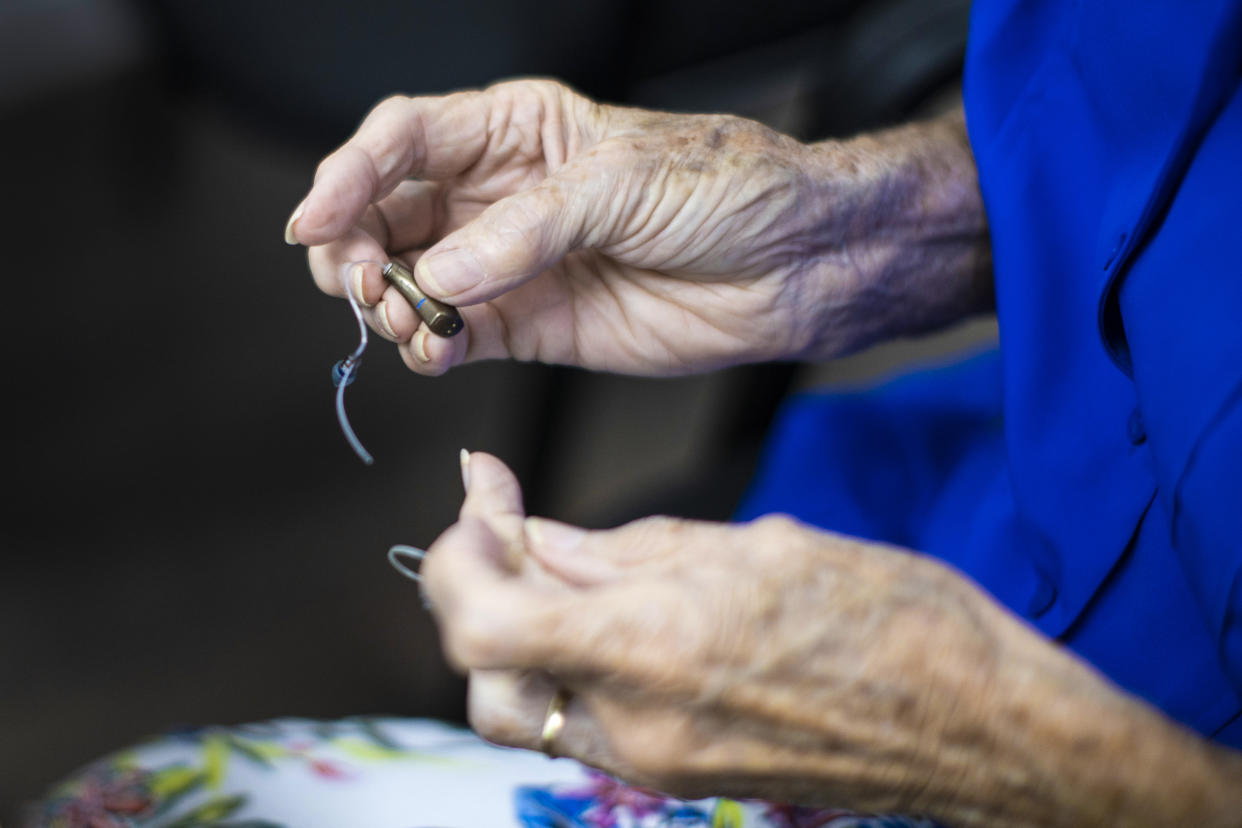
(776, 661)
(641, 242)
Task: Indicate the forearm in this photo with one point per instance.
(901, 245)
(1061, 746)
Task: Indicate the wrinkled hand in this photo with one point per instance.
(767, 659)
(571, 232)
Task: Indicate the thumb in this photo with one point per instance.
(494, 497)
(508, 244)
(492, 490)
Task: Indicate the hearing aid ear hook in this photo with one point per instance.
(442, 319)
(345, 371)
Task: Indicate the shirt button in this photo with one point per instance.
(1135, 430)
(1112, 255)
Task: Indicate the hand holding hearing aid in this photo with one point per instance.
(616, 239)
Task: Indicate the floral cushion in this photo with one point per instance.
(380, 773)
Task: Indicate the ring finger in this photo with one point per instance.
(511, 707)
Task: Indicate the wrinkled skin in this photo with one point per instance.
(777, 661)
(626, 240)
(768, 659)
(710, 658)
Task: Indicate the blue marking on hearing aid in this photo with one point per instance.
(420, 303)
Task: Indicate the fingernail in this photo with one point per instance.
(553, 536)
(381, 314)
(449, 273)
(465, 469)
(355, 280)
(297, 214)
(419, 345)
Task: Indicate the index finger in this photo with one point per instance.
(427, 137)
(492, 618)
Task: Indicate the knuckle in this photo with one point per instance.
(659, 531)
(325, 164)
(382, 140)
(484, 721)
(493, 723)
(775, 525)
(724, 129)
(722, 124)
(552, 86)
(776, 540)
(389, 107)
(470, 639)
(388, 152)
(541, 87)
(660, 524)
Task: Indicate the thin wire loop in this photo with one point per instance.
(347, 369)
(399, 551)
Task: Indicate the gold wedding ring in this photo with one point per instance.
(554, 721)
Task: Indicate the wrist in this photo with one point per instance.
(1065, 747)
(898, 243)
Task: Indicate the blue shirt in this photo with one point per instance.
(1089, 475)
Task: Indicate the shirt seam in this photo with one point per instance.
(1226, 407)
(1174, 167)
(1226, 724)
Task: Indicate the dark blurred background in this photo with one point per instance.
(187, 538)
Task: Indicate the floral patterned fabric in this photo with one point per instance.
(380, 773)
